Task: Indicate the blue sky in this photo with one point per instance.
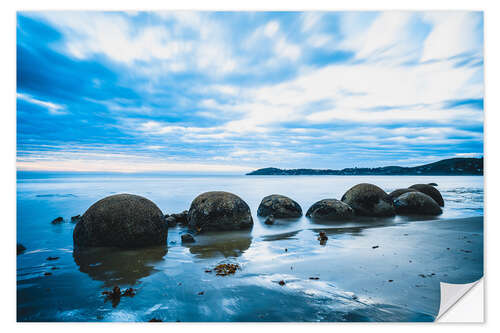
(231, 92)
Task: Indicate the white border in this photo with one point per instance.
(8, 132)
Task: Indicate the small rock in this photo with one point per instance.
(54, 268)
(57, 220)
(47, 273)
(52, 258)
(130, 292)
(390, 280)
(269, 220)
(20, 248)
(201, 293)
(281, 283)
(375, 247)
(75, 219)
(187, 238)
(155, 320)
(171, 221)
(322, 237)
(314, 278)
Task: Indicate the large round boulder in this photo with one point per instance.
(416, 203)
(331, 210)
(219, 211)
(121, 220)
(369, 200)
(396, 193)
(430, 191)
(279, 206)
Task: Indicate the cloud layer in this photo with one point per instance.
(234, 91)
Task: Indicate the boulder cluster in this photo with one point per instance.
(128, 221)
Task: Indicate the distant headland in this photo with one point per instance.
(451, 167)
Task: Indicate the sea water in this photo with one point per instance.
(369, 270)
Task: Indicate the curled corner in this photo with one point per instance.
(451, 294)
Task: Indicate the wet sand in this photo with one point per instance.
(368, 270)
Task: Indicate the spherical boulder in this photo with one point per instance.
(279, 206)
(396, 193)
(416, 203)
(430, 191)
(331, 210)
(121, 220)
(369, 200)
(219, 211)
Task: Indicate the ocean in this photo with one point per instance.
(369, 270)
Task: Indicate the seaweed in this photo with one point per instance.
(226, 269)
(116, 294)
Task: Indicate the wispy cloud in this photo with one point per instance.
(232, 91)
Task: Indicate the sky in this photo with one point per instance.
(232, 92)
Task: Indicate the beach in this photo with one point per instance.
(369, 269)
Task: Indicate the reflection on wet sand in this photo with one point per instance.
(118, 266)
(226, 244)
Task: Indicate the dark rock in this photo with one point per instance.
(47, 273)
(432, 184)
(279, 206)
(116, 294)
(187, 238)
(430, 191)
(322, 238)
(416, 203)
(121, 220)
(219, 211)
(171, 221)
(57, 220)
(369, 200)
(52, 258)
(281, 283)
(20, 248)
(396, 193)
(269, 220)
(181, 218)
(75, 219)
(330, 209)
(155, 320)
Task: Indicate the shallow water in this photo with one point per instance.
(353, 282)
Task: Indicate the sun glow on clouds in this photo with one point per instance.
(187, 90)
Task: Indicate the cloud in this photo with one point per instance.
(231, 91)
(453, 33)
(53, 108)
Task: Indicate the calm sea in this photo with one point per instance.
(168, 279)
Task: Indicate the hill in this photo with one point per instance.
(451, 166)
